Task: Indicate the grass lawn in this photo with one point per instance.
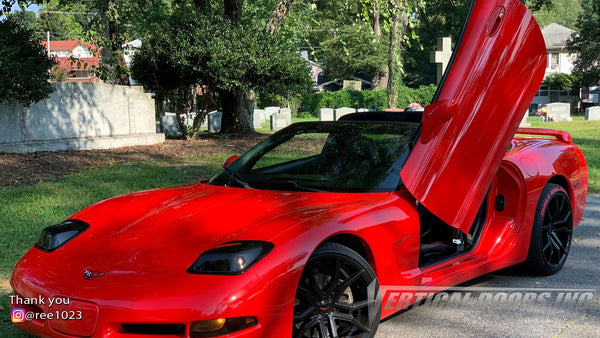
(586, 135)
(27, 210)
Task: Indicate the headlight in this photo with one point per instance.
(231, 258)
(55, 236)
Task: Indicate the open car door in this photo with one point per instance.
(495, 71)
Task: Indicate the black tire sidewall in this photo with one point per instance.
(536, 261)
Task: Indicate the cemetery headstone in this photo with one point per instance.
(524, 123)
(169, 124)
(559, 111)
(280, 121)
(592, 113)
(326, 114)
(343, 111)
(352, 85)
(260, 116)
(214, 121)
(271, 110)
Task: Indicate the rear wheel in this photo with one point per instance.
(551, 232)
(338, 295)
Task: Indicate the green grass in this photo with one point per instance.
(26, 211)
(586, 135)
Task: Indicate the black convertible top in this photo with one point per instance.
(405, 116)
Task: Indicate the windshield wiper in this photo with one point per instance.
(233, 175)
(297, 186)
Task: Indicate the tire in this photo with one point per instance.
(337, 296)
(551, 233)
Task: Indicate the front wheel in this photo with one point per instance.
(551, 232)
(338, 296)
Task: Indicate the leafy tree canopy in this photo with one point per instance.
(24, 64)
(197, 48)
(201, 49)
(587, 44)
(562, 12)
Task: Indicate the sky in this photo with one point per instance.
(34, 8)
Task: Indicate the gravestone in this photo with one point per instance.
(326, 114)
(280, 121)
(271, 110)
(286, 112)
(169, 124)
(260, 116)
(592, 113)
(441, 57)
(214, 121)
(352, 85)
(559, 111)
(524, 123)
(338, 113)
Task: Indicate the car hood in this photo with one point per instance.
(170, 228)
(497, 66)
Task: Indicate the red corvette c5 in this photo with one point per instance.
(305, 233)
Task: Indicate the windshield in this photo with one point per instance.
(326, 157)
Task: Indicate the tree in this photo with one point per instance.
(62, 26)
(562, 12)
(238, 103)
(202, 50)
(24, 64)
(559, 81)
(586, 44)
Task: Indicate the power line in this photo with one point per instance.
(58, 12)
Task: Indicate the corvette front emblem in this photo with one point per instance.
(91, 275)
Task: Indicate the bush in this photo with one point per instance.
(377, 99)
(422, 95)
(559, 81)
(344, 98)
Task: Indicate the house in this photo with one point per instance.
(560, 60)
(75, 58)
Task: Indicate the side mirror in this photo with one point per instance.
(230, 160)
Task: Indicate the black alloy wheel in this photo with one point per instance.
(338, 296)
(552, 231)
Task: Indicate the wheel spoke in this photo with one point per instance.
(565, 220)
(342, 287)
(335, 277)
(354, 306)
(558, 244)
(323, 328)
(349, 319)
(307, 327)
(303, 316)
(312, 280)
(306, 295)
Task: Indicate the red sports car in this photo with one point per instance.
(306, 233)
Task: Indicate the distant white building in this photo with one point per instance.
(130, 48)
(559, 58)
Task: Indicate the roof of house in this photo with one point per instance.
(556, 36)
(69, 64)
(66, 45)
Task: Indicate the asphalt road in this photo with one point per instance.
(547, 315)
